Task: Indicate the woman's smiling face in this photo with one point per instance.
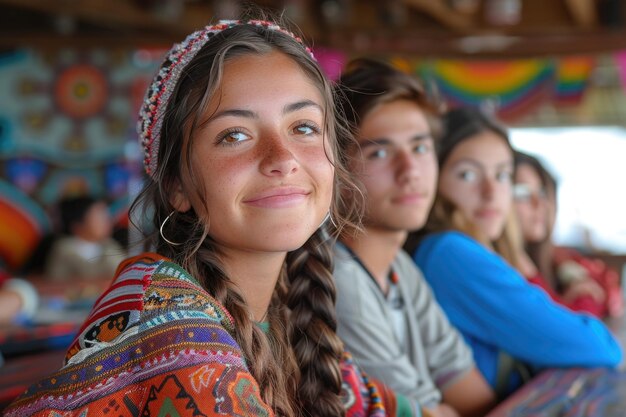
(263, 156)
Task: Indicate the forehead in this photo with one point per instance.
(526, 173)
(487, 147)
(395, 118)
(271, 75)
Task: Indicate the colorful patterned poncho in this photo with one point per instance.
(157, 344)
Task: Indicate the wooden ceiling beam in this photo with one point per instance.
(422, 45)
(118, 14)
(443, 13)
(583, 12)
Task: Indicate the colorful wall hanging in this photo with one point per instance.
(22, 224)
(511, 87)
(67, 125)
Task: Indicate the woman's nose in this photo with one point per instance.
(277, 157)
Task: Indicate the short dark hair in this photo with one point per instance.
(367, 83)
(72, 210)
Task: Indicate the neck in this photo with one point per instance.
(255, 274)
(377, 249)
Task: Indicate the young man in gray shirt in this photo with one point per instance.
(388, 317)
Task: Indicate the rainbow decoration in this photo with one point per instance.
(572, 75)
(22, 224)
(511, 87)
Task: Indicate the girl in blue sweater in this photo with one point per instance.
(466, 256)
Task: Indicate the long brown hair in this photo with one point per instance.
(541, 252)
(297, 363)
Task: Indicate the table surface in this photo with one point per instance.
(572, 392)
(569, 393)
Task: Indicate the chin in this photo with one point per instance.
(290, 241)
(415, 225)
(492, 232)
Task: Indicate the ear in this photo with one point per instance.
(179, 199)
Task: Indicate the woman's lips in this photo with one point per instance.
(278, 197)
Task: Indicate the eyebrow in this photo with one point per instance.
(299, 105)
(249, 114)
(507, 164)
(384, 141)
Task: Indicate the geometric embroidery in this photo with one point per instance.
(243, 397)
(201, 378)
(169, 398)
(108, 329)
(177, 359)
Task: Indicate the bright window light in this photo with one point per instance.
(589, 164)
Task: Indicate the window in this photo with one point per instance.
(589, 164)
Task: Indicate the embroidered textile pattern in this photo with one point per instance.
(157, 344)
(162, 343)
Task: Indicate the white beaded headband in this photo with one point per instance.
(159, 92)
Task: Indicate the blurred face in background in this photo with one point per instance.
(97, 224)
(531, 204)
(397, 165)
(477, 178)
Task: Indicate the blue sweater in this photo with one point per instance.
(495, 309)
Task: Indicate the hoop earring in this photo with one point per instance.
(161, 230)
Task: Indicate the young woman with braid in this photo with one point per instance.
(234, 312)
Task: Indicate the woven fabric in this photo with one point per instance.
(158, 344)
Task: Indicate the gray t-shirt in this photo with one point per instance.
(432, 353)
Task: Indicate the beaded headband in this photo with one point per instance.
(160, 90)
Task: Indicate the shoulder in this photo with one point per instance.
(148, 291)
(155, 332)
(347, 269)
(454, 257)
(450, 243)
(65, 244)
(112, 244)
(408, 271)
(404, 265)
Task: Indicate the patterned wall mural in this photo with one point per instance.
(67, 125)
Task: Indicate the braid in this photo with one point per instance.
(264, 353)
(318, 350)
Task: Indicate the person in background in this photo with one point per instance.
(86, 248)
(466, 255)
(387, 315)
(18, 299)
(580, 283)
(233, 314)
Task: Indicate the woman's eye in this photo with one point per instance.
(307, 129)
(233, 138)
(467, 175)
(504, 176)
